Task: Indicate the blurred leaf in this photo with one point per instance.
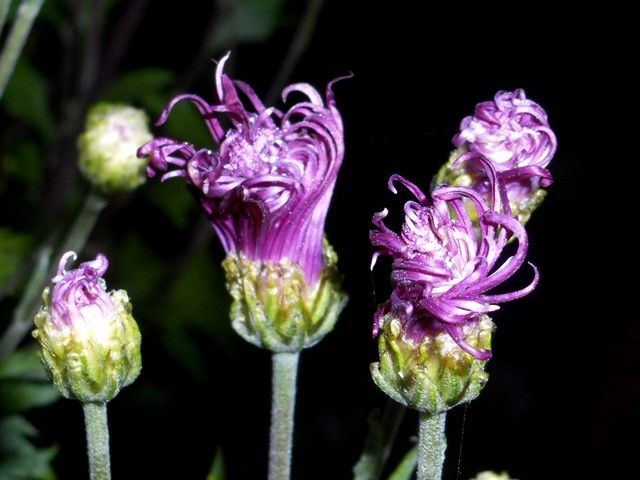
(19, 459)
(24, 383)
(23, 363)
(383, 427)
(138, 269)
(199, 297)
(52, 12)
(15, 248)
(253, 21)
(197, 307)
(148, 87)
(186, 124)
(26, 98)
(217, 469)
(173, 199)
(406, 467)
(24, 162)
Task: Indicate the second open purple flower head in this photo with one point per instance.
(511, 131)
(444, 265)
(266, 188)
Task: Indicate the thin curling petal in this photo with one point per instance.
(512, 133)
(280, 163)
(446, 257)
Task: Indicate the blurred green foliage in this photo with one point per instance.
(15, 247)
(27, 100)
(173, 277)
(217, 471)
(23, 385)
(406, 467)
(19, 459)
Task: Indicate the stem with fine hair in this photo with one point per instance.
(285, 370)
(29, 303)
(432, 444)
(95, 421)
(26, 14)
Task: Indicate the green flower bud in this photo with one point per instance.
(90, 341)
(434, 374)
(108, 146)
(274, 307)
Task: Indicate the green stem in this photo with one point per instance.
(297, 47)
(382, 434)
(432, 444)
(95, 421)
(4, 11)
(21, 321)
(77, 237)
(26, 14)
(285, 369)
(28, 306)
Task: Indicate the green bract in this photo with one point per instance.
(434, 375)
(274, 308)
(94, 358)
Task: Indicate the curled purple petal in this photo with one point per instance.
(267, 186)
(79, 295)
(446, 257)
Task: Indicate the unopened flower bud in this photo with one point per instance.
(431, 373)
(274, 307)
(90, 341)
(108, 147)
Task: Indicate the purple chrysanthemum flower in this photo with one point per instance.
(444, 264)
(511, 131)
(267, 187)
(266, 190)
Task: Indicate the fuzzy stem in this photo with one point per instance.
(432, 444)
(285, 369)
(26, 14)
(95, 420)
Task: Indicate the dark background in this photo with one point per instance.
(563, 396)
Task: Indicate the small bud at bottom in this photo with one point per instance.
(93, 358)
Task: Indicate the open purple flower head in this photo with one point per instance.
(513, 133)
(444, 264)
(511, 130)
(79, 296)
(267, 186)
